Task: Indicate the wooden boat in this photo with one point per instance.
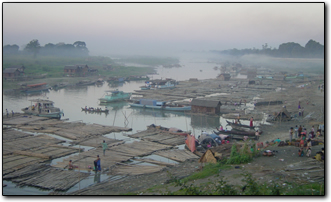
(34, 88)
(85, 83)
(241, 127)
(236, 132)
(114, 96)
(59, 86)
(174, 131)
(43, 108)
(160, 105)
(93, 110)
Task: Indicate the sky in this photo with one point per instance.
(163, 28)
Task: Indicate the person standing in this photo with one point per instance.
(296, 131)
(97, 165)
(104, 147)
(299, 131)
(312, 131)
(251, 122)
(299, 107)
(291, 133)
(7, 113)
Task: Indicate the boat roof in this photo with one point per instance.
(41, 101)
(38, 84)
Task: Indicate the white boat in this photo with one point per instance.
(43, 108)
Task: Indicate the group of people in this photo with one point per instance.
(96, 162)
(301, 110)
(93, 109)
(321, 87)
(7, 113)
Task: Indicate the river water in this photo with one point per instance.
(70, 100)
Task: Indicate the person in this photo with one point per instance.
(309, 152)
(302, 143)
(291, 133)
(296, 131)
(308, 144)
(7, 113)
(299, 131)
(319, 87)
(302, 111)
(104, 147)
(312, 130)
(277, 140)
(71, 166)
(221, 128)
(300, 153)
(251, 122)
(257, 133)
(12, 113)
(299, 107)
(97, 165)
(318, 133)
(322, 157)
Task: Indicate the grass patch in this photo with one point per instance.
(209, 170)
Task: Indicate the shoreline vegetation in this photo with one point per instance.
(52, 67)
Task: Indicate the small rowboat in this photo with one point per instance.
(95, 110)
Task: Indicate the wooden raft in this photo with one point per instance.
(27, 143)
(12, 163)
(160, 137)
(141, 148)
(11, 135)
(52, 178)
(96, 142)
(135, 169)
(177, 155)
(23, 119)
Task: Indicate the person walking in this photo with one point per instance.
(296, 131)
(104, 147)
(251, 122)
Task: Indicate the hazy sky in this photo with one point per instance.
(151, 28)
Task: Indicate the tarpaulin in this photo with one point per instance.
(190, 142)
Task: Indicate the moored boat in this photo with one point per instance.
(43, 108)
(241, 127)
(95, 110)
(174, 131)
(154, 104)
(33, 88)
(114, 96)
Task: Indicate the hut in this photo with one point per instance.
(13, 71)
(205, 106)
(283, 115)
(224, 77)
(76, 70)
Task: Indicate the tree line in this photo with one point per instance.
(312, 49)
(77, 49)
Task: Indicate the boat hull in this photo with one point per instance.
(56, 115)
(185, 108)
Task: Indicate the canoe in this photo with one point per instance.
(95, 111)
(239, 125)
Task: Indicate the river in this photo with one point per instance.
(70, 100)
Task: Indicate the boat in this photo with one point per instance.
(85, 83)
(100, 81)
(33, 88)
(95, 110)
(43, 108)
(114, 96)
(236, 132)
(174, 131)
(240, 126)
(159, 84)
(59, 86)
(154, 104)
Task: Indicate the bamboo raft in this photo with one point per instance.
(11, 135)
(160, 137)
(135, 169)
(177, 155)
(96, 142)
(22, 119)
(51, 178)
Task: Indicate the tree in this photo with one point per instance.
(33, 47)
(10, 49)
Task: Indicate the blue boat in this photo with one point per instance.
(160, 105)
(114, 96)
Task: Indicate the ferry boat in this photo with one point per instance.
(114, 96)
(43, 108)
